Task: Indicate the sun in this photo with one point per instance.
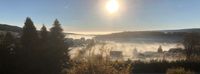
(112, 6)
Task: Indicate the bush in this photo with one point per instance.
(178, 71)
(163, 66)
(99, 67)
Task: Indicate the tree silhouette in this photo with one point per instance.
(57, 48)
(43, 33)
(191, 41)
(160, 50)
(29, 41)
(44, 36)
(29, 36)
(43, 51)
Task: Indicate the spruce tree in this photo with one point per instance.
(43, 40)
(44, 51)
(29, 36)
(29, 52)
(43, 34)
(58, 47)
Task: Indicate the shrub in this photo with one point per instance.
(178, 71)
(99, 67)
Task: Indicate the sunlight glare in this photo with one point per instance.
(112, 6)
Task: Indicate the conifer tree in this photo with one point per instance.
(44, 40)
(29, 36)
(44, 34)
(29, 53)
(42, 51)
(57, 47)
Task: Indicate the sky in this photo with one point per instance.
(91, 16)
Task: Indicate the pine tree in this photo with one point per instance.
(29, 36)
(42, 53)
(57, 47)
(43, 40)
(29, 52)
(44, 34)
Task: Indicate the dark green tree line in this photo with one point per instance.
(35, 52)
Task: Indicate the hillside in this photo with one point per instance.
(147, 36)
(5, 27)
(183, 30)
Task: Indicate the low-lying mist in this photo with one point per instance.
(132, 49)
(127, 49)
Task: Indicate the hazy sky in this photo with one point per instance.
(92, 16)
